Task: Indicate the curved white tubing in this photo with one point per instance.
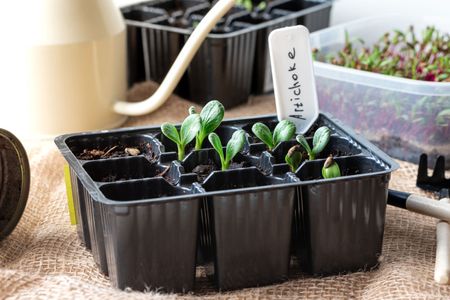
(179, 66)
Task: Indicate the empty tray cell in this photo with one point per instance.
(342, 222)
(340, 146)
(262, 74)
(151, 245)
(142, 14)
(103, 146)
(141, 189)
(238, 179)
(257, 149)
(250, 230)
(294, 5)
(179, 7)
(123, 169)
(222, 67)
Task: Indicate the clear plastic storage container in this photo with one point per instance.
(404, 117)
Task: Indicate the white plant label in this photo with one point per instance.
(293, 76)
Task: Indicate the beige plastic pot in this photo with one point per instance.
(64, 69)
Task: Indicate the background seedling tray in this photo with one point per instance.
(234, 53)
(151, 231)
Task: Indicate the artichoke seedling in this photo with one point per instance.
(284, 131)
(320, 140)
(234, 146)
(294, 157)
(210, 118)
(189, 129)
(330, 168)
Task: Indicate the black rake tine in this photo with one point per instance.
(439, 169)
(422, 173)
(436, 181)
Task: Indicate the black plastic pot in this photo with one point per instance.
(146, 217)
(232, 62)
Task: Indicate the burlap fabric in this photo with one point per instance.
(43, 258)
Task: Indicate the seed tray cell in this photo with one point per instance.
(149, 220)
(232, 62)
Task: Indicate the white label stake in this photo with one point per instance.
(293, 76)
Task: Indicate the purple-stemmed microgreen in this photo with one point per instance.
(400, 54)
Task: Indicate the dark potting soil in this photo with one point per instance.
(335, 153)
(111, 178)
(118, 151)
(203, 171)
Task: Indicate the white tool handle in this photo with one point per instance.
(179, 66)
(442, 265)
(428, 207)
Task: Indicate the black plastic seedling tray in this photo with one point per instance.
(234, 59)
(150, 220)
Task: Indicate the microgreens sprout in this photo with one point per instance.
(399, 54)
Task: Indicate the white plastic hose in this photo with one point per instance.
(179, 66)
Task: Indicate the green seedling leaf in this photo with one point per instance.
(189, 129)
(262, 5)
(302, 141)
(217, 145)
(321, 139)
(210, 118)
(170, 132)
(234, 146)
(330, 169)
(263, 133)
(284, 131)
(294, 157)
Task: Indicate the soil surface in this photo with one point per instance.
(203, 171)
(118, 151)
(111, 178)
